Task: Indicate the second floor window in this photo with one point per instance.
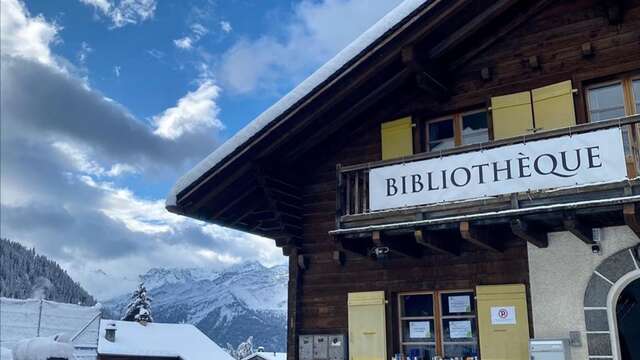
(613, 99)
(606, 102)
(457, 129)
(475, 128)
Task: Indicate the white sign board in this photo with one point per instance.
(459, 304)
(419, 329)
(460, 329)
(503, 315)
(580, 159)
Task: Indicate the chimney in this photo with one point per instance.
(110, 332)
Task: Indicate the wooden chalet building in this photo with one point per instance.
(459, 180)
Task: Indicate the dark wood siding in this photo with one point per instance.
(555, 35)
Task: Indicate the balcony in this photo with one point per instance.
(562, 203)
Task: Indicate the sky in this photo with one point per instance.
(106, 103)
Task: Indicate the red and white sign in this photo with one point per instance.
(503, 315)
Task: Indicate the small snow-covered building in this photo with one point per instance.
(266, 355)
(133, 340)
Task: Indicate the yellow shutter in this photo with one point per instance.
(511, 115)
(397, 138)
(553, 106)
(367, 326)
(503, 341)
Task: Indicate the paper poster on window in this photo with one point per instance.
(503, 315)
(419, 329)
(460, 304)
(460, 329)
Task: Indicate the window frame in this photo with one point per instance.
(437, 319)
(442, 317)
(471, 112)
(456, 118)
(402, 318)
(437, 120)
(635, 98)
(597, 85)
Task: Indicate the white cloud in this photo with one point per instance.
(79, 157)
(183, 43)
(195, 111)
(102, 5)
(65, 148)
(317, 31)
(24, 35)
(138, 215)
(187, 42)
(84, 52)
(199, 29)
(225, 26)
(156, 54)
(124, 12)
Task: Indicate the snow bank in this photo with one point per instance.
(42, 348)
(159, 340)
(298, 93)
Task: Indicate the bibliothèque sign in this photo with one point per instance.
(565, 161)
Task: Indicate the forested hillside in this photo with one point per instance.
(25, 274)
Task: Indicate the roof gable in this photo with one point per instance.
(299, 93)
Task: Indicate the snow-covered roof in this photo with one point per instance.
(265, 355)
(160, 340)
(78, 323)
(316, 79)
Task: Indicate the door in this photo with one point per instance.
(503, 322)
(367, 326)
(628, 320)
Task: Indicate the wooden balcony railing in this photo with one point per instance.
(353, 180)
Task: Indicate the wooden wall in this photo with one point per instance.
(555, 35)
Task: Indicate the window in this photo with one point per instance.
(440, 135)
(474, 128)
(457, 129)
(438, 323)
(606, 102)
(417, 325)
(459, 327)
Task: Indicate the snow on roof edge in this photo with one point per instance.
(361, 43)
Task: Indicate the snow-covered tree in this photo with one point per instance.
(244, 349)
(139, 308)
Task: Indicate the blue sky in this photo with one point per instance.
(105, 103)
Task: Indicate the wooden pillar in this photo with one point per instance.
(293, 307)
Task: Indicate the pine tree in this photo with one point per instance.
(139, 308)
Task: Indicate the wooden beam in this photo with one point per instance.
(338, 122)
(303, 262)
(472, 26)
(437, 244)
(472, 53)
(397, 245)
(578, 228)
(526, 232)
(477, 237)
(425, 74)
(238, 199)
(632, 217)
(344, 245)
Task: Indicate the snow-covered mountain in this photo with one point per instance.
(244, 300)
